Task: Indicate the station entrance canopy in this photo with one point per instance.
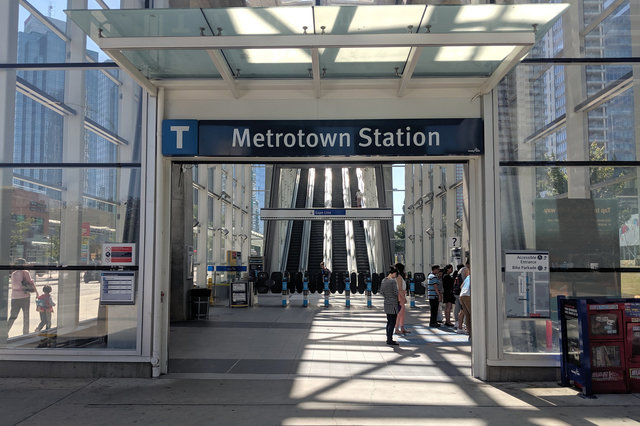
(317, 47)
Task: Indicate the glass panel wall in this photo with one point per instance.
(568, 174)
(57, 215)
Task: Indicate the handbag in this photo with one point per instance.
(26, 285)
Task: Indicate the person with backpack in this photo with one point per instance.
(44, 305)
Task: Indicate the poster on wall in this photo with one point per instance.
(526, 280)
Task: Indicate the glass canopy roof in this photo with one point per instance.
(319, 43)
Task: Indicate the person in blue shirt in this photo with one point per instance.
(434, 295)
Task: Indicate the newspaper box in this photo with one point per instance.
(594, 343)
(632, 347)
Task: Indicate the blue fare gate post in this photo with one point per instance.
(347, 290)
(285, 292)
(412, 291)
(305, 290)
(325, 278)
(368, 280)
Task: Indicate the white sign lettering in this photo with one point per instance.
(179, 131)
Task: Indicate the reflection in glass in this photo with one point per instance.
(69, 228)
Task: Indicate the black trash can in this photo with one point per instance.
(200, 303)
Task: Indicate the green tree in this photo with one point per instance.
(553, 180)
(22, 229)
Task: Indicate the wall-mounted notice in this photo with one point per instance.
(117, 288)
(118, 254)
(526, 281)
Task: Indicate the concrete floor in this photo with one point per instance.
(268, 365)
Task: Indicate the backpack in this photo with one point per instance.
(457, 285)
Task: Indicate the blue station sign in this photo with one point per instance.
(310, 138)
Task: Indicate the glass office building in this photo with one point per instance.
(83, 172)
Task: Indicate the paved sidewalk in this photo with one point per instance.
(270, 365)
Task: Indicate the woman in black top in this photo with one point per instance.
(448, 297)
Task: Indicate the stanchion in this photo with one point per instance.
(325, 278)
(347, 291)
(412, 291)
(369, 304)
(305, 290)
(285, 292)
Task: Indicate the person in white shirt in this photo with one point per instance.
(465, 302)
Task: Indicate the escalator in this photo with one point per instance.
(295, 239)
(362, 256)
(316, 236)
(338, 235)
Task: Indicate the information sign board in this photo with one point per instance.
(117, 288)
(527, 284)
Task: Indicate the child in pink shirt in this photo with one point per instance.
(44, 305)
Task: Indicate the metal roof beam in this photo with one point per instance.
(312, 41)
(505, 66)
(124, 63)
(46, 21)
(412, 62)
(315, 69)
(225, 72)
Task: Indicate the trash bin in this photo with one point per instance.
(200, 303)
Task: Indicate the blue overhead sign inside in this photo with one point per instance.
(309, 138)
(329, 212)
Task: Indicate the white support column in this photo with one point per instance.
(201, 228)
(409, 234)
(425, 214)
(158, 202)
(439, 256)
(8, 54)
(246, 207)
(485, 257)
(578, 146)
(451, 210)
(218, 259)
(418, 228)
(72, 179)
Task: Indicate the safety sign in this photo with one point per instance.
(118, 254)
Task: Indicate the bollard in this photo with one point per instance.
(347, 291)
(412, 291)
(325, 278)
(284, 289)
(305, 290)
(369, 304)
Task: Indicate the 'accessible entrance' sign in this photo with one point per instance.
(307, 138)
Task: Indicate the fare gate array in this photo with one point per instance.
(337, 282)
